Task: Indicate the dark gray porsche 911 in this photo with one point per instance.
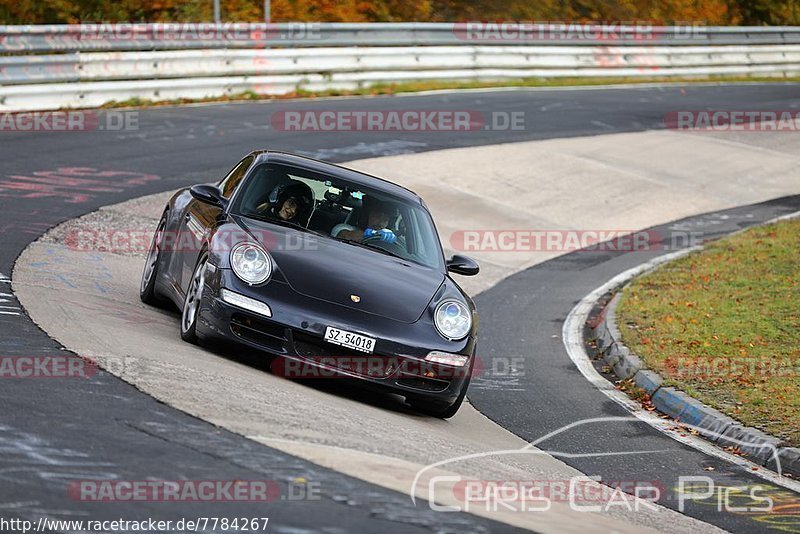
(336, 271)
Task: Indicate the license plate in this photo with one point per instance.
(344, 338)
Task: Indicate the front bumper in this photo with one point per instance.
(296, 333)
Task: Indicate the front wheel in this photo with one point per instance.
(193, 300)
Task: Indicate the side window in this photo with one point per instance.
(229, 183)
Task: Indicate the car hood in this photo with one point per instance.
(341, 273)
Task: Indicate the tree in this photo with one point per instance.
(708, 12)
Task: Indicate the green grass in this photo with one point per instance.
(413, 87)
(723, 324)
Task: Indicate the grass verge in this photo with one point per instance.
(414, 87)
(723, 325)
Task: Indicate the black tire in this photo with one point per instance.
(147, 287)
(442, 411)
(193, 301)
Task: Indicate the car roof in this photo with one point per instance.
(324, 167)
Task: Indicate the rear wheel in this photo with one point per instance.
(147, 289)
(193, 300)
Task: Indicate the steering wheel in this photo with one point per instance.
(397, 246)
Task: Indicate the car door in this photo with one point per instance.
(201, 219)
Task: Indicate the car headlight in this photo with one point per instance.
(250, 263)
(452, 319)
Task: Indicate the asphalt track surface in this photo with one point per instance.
(56, 431)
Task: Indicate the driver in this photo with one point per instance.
(287, 202)
(378, 214)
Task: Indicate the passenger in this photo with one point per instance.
(288, 202)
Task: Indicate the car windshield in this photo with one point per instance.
(339, 209)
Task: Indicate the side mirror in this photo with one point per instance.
(463, 265)
(208, 194)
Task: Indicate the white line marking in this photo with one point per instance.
(6, 295)
(8, 313)
(572, 334)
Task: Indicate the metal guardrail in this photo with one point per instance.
(47, 67)
(175, 36)
(103, 66)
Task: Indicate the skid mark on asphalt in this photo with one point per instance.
(388, 148)
(74, 185)
(8, 304)
(32, 459)
(34, 454)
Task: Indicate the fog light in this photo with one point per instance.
(247, 303)
(456, 360)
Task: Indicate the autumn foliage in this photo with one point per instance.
(709, 12)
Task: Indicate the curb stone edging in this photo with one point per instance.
(708, 422)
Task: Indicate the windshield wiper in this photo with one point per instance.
(376, 247)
